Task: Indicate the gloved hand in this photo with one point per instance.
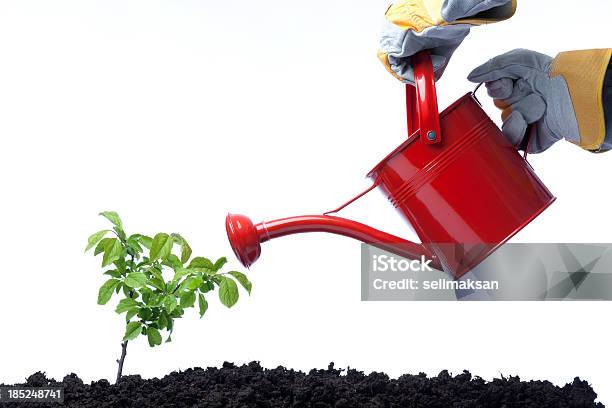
(567, 97)
(439, 26)
(520, 82)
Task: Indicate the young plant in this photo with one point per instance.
(156, 284)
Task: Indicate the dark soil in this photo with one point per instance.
(252, 386)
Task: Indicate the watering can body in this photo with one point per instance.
(456, 179)
(465, 195)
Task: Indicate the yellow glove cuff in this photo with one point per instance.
(584, 73)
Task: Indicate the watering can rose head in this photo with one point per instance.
(244, 238)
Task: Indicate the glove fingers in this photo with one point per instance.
(507, 93)
(500, 89)
(532, 108)
(514, 128)
(520, 90)
(403, 67)
(514, 64)
(455, 9)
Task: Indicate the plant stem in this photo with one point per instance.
(121, 360)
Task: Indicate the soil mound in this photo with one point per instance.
(253, 386)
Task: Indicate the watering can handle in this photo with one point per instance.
(422, 100)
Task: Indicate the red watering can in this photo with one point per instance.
(456, 179)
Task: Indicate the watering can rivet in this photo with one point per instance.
(431, 135)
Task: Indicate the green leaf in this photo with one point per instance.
(228, 292)
(136, 279)
(121, 265)
(157, 283)
(145, 313)
(177, 312)
(155, 271)
(162, 321)
(114, 273)
(169, 303)
(112, 251)
(179, 273)
(207, 286)
(220, 262)
(173, 261)
(190, 283)
(243, 280)
(185, 252)
(203, 304)
(100, 247)
(113, 217)
(145, 241)
(106, 291)
(201, 262)
(132, 330)
(145, 294)
(205, 271)
(161, 246)
(188, 299)
(154, 337)
(120, 233)
(94, 239)
(125, 305)
(185, 248)
(135, 246)
(159, 300)
(131, 313)
(133, 243)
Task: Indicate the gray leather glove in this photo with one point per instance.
(520, 83)
(440, 27)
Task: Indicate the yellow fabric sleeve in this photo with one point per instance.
(585, 71)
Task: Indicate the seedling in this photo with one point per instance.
(156, 284)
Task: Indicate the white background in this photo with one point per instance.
(174, 113)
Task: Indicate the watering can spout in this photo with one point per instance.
(246, 237)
